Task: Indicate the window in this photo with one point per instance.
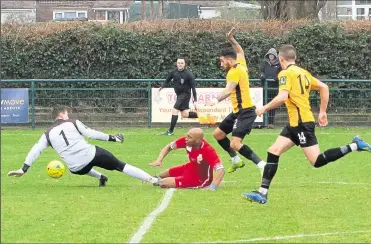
(345, 11)
(70, 14)
(100, 15)
(361, 14)
(113, 15)
(58, 15)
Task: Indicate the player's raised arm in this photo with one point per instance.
(34, 153)
(94, 134)
(236, 46)
(324, 96)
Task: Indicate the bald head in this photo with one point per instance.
(195, 137)
(197, 133)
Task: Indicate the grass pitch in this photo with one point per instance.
(330, 204)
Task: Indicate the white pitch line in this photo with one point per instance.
(146, 225)
(345, 183)
(294, 236)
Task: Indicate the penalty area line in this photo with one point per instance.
(294, 236)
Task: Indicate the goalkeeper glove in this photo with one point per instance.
(117, 138)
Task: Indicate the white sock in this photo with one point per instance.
(138, 173)
(236, 159)
(94, 173)
(261, 164)
(353, 146)
(263, 191)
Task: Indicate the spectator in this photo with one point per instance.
(269, 69)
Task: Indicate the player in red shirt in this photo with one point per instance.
(198, 172)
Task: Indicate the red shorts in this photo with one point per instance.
(187, 177)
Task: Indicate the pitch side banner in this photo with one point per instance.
(163, 102)
(14, 105)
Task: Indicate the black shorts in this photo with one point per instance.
(240, 124)
(182, 101)
(103, 159)
(302, 135)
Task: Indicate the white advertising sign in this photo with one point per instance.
(163, 103)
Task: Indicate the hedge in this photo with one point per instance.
(339, 50)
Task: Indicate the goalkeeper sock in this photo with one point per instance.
(94, 173)
(138, 173)
(192, 115)
(174, 119)
(225, 143)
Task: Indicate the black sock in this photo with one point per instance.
(331, 155)
(174, 119)
(226, 145)
(249, 154)
(270, 170)
(192, 115)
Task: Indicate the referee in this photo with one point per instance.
(183, 83)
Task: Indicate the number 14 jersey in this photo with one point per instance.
(298, 82)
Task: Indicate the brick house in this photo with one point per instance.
(91, 10)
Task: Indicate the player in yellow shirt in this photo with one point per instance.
(241, 120)
(295, 86)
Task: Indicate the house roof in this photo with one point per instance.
(113, 4)
(18, 4)
(204, 3)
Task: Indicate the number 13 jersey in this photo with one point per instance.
(298, 82)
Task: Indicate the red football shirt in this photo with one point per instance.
(205, 159)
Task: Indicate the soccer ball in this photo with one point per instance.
(55, 169)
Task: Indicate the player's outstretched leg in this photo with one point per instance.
(225, 143)
(106, 160)
(318, 159)
(281, 145)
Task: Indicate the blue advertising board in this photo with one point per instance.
(14, 105)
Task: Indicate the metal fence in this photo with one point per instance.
(127, 103)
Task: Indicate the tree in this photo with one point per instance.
(144, 13)
(152, 10)
(160, 9)
(289, 9)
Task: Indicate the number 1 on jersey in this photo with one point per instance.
(307, 83)
(64, 137)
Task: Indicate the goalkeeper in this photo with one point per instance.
(66, 137)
